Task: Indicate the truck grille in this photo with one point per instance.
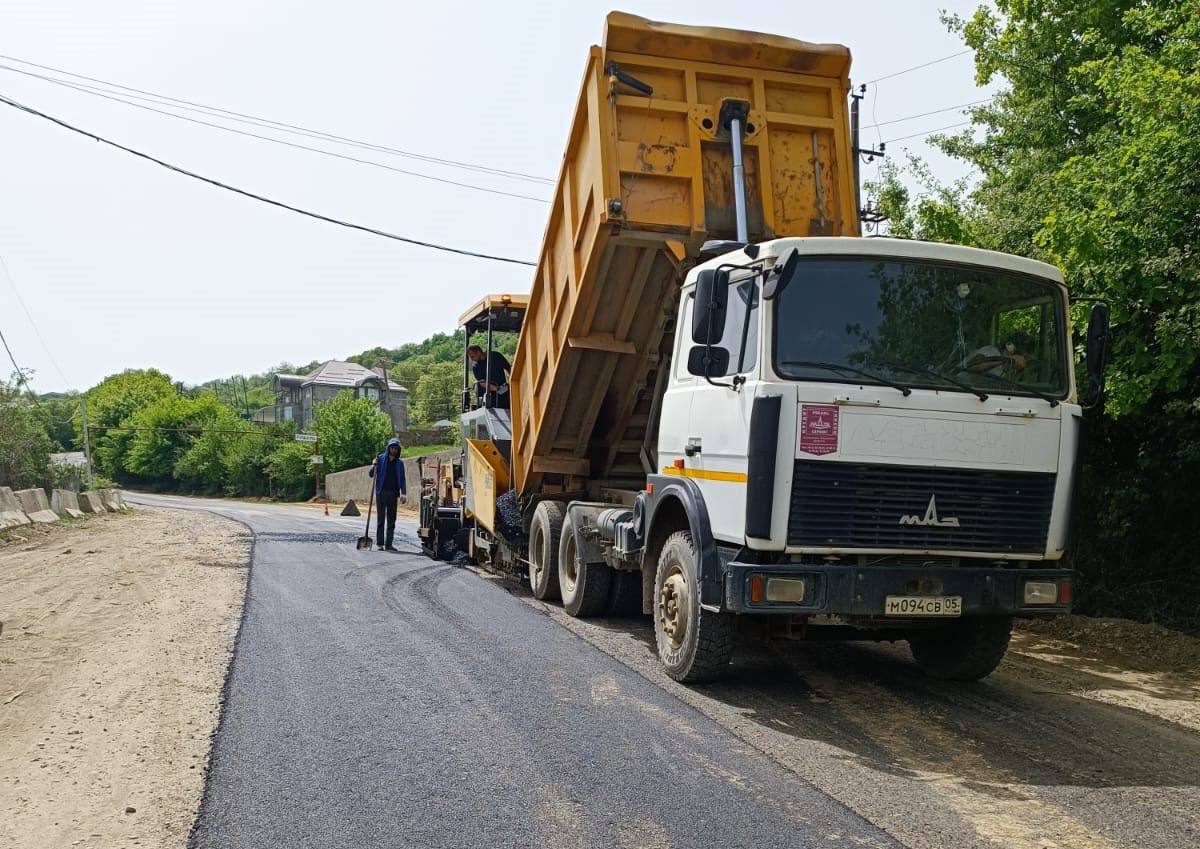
(855, 505)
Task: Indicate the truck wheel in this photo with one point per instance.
(965, 651)
(693, 644)
(544, 533)
(584, 586)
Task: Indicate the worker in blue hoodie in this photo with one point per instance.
(388, 471)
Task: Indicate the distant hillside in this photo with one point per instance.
(430, 369)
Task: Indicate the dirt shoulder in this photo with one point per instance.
(117, 632)
(1139, 666)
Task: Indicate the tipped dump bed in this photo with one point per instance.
(645, 180)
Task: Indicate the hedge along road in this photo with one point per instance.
(384, 700)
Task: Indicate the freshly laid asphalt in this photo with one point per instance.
(385, 700)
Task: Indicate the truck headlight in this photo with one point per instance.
(1041, 592)
(785, 590)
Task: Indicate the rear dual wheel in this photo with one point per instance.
(585, 586)
(545, 532)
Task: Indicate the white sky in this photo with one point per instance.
(123, 264)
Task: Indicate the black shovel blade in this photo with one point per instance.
(363, 544)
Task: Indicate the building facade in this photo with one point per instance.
(297, 396)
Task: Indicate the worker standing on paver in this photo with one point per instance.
(491, 376)
(388, 471)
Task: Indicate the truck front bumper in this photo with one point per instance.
(862, 591)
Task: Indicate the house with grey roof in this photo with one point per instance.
(297, 396)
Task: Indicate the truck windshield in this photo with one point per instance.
(947, 327)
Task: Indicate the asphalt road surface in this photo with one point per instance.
(384, 700)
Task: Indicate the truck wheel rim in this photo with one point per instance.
(674, 608)
(570, 567)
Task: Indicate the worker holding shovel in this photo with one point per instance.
(388, 471)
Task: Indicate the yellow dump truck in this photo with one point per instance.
(725, 403)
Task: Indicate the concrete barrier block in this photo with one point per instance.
(11, 513)
(91, 502)
(114, 501)
(36, 505)
(65, 503)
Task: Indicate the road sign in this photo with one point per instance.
(306, 437)
(316, 460)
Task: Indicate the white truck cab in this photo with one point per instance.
(922, 371)
(879, 436)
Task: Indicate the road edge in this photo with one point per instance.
(227, 683)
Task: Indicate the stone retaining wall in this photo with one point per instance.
(354, 484)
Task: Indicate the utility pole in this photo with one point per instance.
(87, 446)
(317, 477)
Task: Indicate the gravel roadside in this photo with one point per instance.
(116, 636)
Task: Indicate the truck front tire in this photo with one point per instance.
(585, 586)
(545, 531)
(964, 651)
(694, 644)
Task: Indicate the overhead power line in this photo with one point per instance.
(927, 133)
(133, 93)
(320, 217)
(924, 114)
(918, 67)
(242, 117)
(97, 93)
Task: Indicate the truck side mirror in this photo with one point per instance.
(712, 296)
(707, 361)
(781, 274)
(1096, 353)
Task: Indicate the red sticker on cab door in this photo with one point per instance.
(818, 428)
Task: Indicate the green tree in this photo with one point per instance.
(24, 446)
(935, 212)
(1090, 160)
(352, 431)
(164, 450)
(203, 465)
(112, 402)
(436, 395)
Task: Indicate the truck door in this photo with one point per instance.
(719, 422)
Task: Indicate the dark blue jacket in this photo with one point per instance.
(379, 472)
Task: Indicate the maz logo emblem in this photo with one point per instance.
(930, 517)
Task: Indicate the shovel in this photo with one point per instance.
(364, 542)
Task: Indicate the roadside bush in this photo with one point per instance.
(291, 473)
(244, 463)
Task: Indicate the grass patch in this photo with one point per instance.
(421, 450)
